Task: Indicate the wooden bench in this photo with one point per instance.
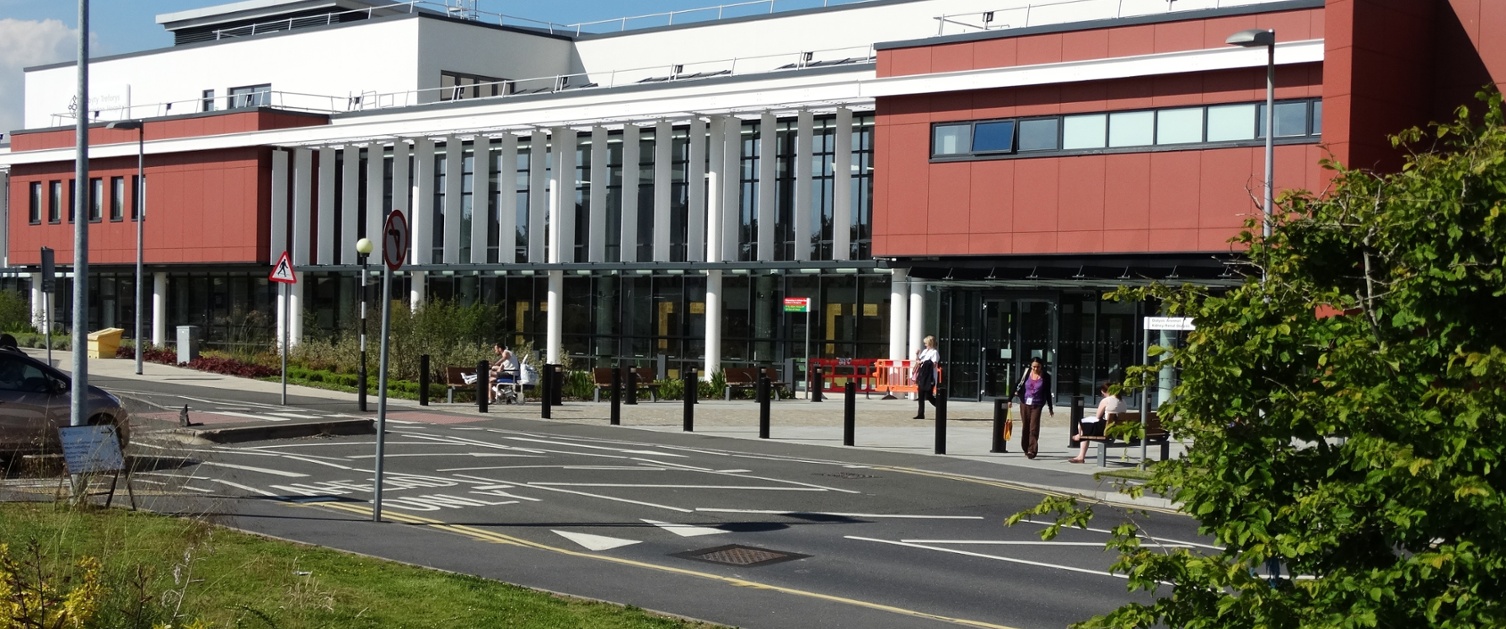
(1154, 433)
(601, 377)
(454, 378)
(747, 378)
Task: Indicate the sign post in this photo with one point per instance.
(803, 304)
(395, 237)
(283, 273)
(49, 282)
(1155, 323)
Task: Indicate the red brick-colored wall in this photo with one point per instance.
(1165, 201)
(231, 121)
(206, 207)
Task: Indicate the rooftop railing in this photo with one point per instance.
(1065, 11)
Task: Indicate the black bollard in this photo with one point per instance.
(763, 407)
(423, 380)
(616, 397)
(691, 392)
(1001, 418)
(850, 414)
(483, 384)
(818, 386)
(941, 424)
(547, 390)
(1074, 421)
(632, 386)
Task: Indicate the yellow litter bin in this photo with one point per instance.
(102, 344)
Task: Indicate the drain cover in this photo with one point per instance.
(735, 555)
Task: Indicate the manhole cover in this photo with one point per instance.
(736, 555)
(848, 475)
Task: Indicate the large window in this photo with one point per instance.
(117, 198)
(1179, 127)
(251, 96)
(96, 199)
(55, 202)
(34, 204)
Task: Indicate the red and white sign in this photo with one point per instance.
(797, 304)
(395, 238)
(283, 271)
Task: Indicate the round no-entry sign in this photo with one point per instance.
(395, 240)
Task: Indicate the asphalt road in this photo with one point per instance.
(745, 533)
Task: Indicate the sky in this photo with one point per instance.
(39, 32)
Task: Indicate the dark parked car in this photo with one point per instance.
(35, 401)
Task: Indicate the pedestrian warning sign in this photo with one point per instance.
(283, 271)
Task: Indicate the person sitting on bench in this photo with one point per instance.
(1109, 406)
(504, 371)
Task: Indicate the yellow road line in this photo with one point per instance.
(499, 538)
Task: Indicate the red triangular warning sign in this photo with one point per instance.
(283, 271)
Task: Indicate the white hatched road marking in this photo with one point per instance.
(248, 468)
(686, 530)
(595, 542)
(843, 515)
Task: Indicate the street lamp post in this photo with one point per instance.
(140, 128)
(363, 249)
(1254, 38)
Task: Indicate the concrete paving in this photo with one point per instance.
(880, 424)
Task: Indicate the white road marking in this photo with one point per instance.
(567, 444)
(263, 418)
(845, 515)
(682, 466)
(596, 543)
(478, 455)
(297, 415)
(243, 487)
(686, 530)
(981, 555)
(651, 486)
(248, 468)
(1151, 538)
(611, 498)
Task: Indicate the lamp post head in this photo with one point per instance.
(127, 125)
(1253, 38)
(363, 246)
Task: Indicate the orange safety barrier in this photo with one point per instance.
(893, 376)
(837, 372)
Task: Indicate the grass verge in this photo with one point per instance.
(155, 570)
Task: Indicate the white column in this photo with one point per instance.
(418, 289)
(324, 251)
(454, 165)
(713, 323)
(481, 195)
(39, 301)
(507, 199)
(699, 190)
(917, 314)
(630, 175)
(376, 163)
(712, 185)
(663, 157)
(804, 146)
(899, 298)
(159, 308)
(731, 180)
(538, 194)
(562, 197)
(596, 239)
(768, 200)
(350, 197)
(402, 189)
(297, 310)
(421, 219)
(841, 187)
(303, 201)
(279, 236)
(554, 336)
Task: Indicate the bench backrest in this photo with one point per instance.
(602, 376)
(455, 376)
(1152, 424)
(740, 375)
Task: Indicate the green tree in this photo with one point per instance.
(1344, 413)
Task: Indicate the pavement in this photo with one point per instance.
(880, 424)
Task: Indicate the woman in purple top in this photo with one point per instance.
(1034, 391)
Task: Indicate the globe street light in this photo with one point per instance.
(140, 128)
(363, 249)
(1254, 38)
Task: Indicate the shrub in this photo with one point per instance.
(15, 312)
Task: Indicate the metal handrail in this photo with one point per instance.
(721, 10)
(993, 19)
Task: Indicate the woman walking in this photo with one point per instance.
(1034, 390)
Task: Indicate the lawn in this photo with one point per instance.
(158, 570)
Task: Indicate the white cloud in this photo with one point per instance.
(26, 43)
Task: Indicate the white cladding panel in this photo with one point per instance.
(470, 49)
(314, 69)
